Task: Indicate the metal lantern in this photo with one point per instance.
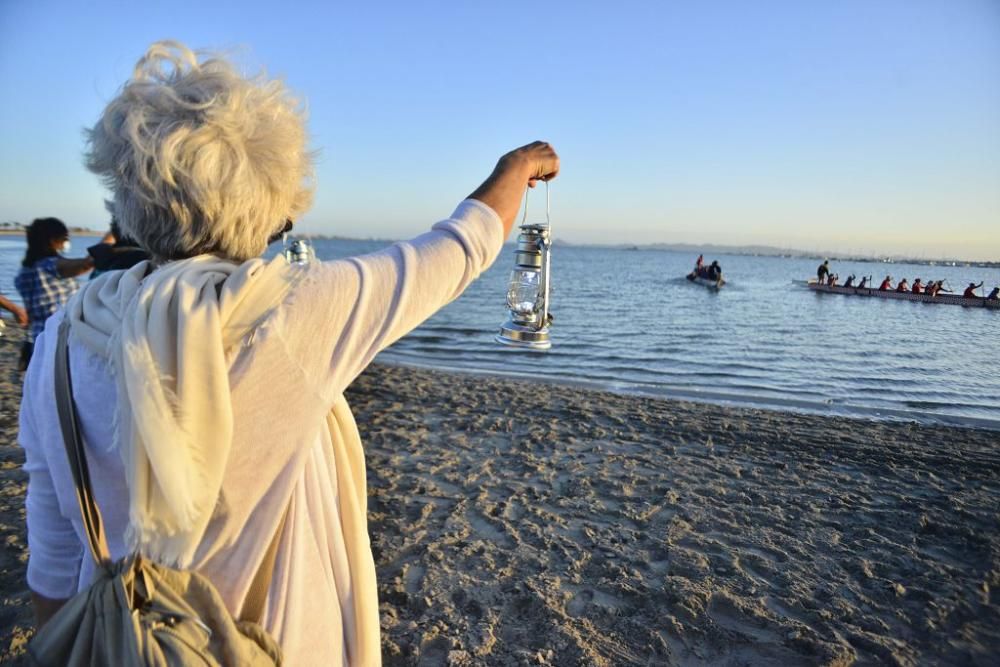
(298, 251)
(528, 289)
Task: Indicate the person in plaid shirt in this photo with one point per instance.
(46, 280)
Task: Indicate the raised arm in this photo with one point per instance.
(350, 309)
(69, 268)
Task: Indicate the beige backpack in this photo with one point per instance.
(137, 612)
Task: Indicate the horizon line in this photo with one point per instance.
(753, 249)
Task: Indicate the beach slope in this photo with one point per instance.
(516, 524)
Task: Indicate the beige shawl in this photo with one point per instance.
(166, 336)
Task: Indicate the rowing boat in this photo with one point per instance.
(953, 299)
(711, 284)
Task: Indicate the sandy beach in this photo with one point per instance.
(519, 525)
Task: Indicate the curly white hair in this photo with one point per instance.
(199, 158)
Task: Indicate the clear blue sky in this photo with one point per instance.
(865, 125)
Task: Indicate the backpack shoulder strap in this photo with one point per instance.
(73, 440)
(253, 606)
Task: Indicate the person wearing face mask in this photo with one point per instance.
(47, 278)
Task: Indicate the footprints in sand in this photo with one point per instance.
(498, 534)
(746, 622)
(585, 601)
(606, 532)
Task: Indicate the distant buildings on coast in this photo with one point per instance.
(792, 253)
(10, 228)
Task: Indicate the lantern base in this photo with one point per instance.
(526, 338)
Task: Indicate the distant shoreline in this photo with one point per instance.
(709, 249)
(74, 232)
(792, 253)
(706, 249)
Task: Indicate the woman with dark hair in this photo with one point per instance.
(46, 280)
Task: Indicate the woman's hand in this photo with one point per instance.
(19, 313)
(538, 159)
(521, 167)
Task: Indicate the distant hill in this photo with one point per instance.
(709, 249)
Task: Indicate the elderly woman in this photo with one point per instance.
(209, 382)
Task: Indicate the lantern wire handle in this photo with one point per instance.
(548, 207)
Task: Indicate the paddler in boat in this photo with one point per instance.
(886, 284)
(714, 271)
(903, 286)
(832, 280)
(995, 294)
(970, 291)
(935, 287)
(864, 282)
(918, 287)
(849, 282)
(823, 272)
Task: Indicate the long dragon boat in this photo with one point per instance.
(953, 299)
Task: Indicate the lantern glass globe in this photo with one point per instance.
(523, 292)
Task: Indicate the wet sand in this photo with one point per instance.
(518, 525)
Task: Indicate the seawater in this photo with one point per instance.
(628, 321)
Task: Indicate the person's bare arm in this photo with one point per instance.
(19, 313)
(68, 268)
(521, 167)
(45, 608)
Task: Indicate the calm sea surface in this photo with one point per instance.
(628, 321)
